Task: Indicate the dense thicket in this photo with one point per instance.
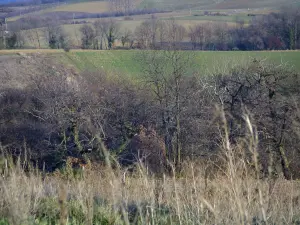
(56, 116)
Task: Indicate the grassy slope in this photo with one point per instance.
(125, 62)
(232, 18)
(89, 7)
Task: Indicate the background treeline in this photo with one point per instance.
(276, 31)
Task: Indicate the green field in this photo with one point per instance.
(126, 61)
(89, 7)
(231, 18)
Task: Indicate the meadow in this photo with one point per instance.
(89, 7)
(125, 61)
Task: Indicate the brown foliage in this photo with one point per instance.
(146, 147)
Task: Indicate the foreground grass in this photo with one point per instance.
(109, 196)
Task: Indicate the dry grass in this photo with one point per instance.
(233, 195)
(87, 7)
(226, 199)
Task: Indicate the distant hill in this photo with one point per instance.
(13, 3)
(2, 2)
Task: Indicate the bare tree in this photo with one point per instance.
(121, 6)
(197, 35)
(162, 32)
(269, 93)
(127, 38)
(100, 35)
(164, 72)
(88, 36)
(55, 36)
(143, 35)
(221, 36)
(149, 31)
(175, 33)
(107, 29)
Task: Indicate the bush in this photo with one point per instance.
(67, 48)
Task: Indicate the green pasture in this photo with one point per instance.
(126, 62)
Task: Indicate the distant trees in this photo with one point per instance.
(122, 6)
(275, 31)
(55, 36)
(144, 35)
(11, 41)
(107, 31)
(127, 38)
(87, 36)
(154, 31)
(164, 73)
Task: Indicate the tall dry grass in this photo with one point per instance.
(235, 194)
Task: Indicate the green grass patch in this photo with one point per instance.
(126, 61)
(232, 18)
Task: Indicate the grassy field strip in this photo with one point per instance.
(126, 61)
(89, 7)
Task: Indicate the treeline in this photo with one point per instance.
(56, 116)
(276, 31)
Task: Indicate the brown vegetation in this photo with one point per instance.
(147, 148)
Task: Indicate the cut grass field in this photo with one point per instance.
(126, 62)
(86, 7)
(231, 18)
(89, 7)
